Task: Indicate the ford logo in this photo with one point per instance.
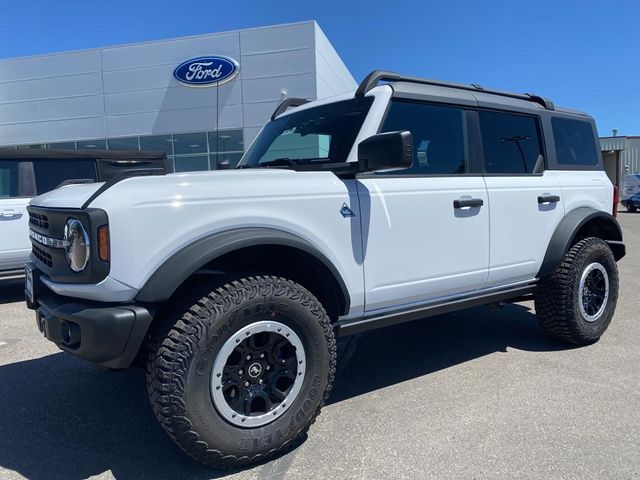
(206, 71)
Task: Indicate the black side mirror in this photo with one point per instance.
(386, 151)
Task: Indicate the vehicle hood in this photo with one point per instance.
(184, 187)
(69, 196)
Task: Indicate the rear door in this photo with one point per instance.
(17, 186)
(525, 200)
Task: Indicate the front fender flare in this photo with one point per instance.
(564, 235)
(184, 263)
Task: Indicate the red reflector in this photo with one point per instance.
(616, 199)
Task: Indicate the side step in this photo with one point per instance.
(350, 327)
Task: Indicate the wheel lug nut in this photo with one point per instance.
(260, 381)
(268, 367)
(262, 355)
(240, 372)
(246, 384)
(248, 357)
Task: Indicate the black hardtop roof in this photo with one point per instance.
(63, 154)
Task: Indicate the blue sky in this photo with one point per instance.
(582, 54)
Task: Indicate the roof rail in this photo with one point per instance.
(288, 102)
(371, 80)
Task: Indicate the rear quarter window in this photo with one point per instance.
(50, 173)
(575, 142)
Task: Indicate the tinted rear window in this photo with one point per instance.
(575, 142)
(28, 178)
(51, 173)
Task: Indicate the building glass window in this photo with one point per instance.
(62, 145)
(189, 143)
(92, 144)
(226, 141)
(157, 142)
(186, 151)
(191, 163)
(129, 143)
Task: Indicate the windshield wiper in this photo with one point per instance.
(279, 162)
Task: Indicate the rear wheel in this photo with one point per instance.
(238, 375)
(576, 303)
(631, 207)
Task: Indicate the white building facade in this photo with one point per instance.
(129, 97)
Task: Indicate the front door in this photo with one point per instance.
(425, 229)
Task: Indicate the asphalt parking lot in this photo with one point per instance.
(476, 394)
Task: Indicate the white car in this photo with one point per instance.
(25, 173)
(630, 198)
(395, 203)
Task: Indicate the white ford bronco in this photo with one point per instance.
(407, 199)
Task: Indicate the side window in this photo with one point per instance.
(16, 179)
(510, 143)
(8, 178)
(439, 137)
(575, 142)
(51, 173)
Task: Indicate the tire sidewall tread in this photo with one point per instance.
(556, 299)
(181, 360)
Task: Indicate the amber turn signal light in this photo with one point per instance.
(103, 243)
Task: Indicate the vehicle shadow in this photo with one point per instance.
(11, 290)
(62, 418)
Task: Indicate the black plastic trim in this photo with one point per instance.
(287, 103)
(171, 274)
(548, 199)
(92, 219)
(108, 335)
(83, 153)
(349, 327)
(468, 202)
(565, 233)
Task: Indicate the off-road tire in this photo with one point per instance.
(557, 296)
(182, 352)
(631, 208)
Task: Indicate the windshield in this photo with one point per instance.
(323, 134)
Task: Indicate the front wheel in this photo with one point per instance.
(576, 303)
(238, 375)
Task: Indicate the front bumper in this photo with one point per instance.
(103, 333)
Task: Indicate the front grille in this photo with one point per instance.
(41, 255)
(39, 220)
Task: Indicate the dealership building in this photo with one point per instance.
(168, 95)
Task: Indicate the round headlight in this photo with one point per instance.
(77, 248)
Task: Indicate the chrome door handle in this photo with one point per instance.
(9, 213)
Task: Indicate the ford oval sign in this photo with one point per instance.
(206, 71)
